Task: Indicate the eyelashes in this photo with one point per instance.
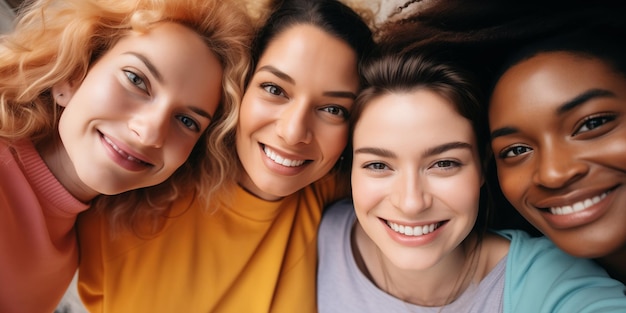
(137, 80)
(593, 122)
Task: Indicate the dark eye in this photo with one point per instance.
(136, 80)
(189, 122)
(337, 111)
(445, 164)
(514, 151)
(273, 89)
(594, 122)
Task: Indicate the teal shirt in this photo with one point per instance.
(540, 275)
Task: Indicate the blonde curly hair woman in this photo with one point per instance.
(119, 105)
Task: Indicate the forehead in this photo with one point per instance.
(186, 65)
(417, 117)
(307, 51)
(550, 79)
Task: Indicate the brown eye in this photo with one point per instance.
(336, 110)
(594, 122)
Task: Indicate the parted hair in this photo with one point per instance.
(445, 74)
(331, 16)
(58, 40)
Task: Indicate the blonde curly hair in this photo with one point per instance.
(58, 40)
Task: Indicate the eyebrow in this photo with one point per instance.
(564, 108)
(584, 97)
(504, 131)
(200, 112)
(446, 147)
(376, 151)
(282, 75)
(277, 72)
(153, 70)
(429, 152)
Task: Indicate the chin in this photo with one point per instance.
(588, 249)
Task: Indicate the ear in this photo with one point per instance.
(63, 92)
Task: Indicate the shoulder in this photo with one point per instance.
(341, 209)
(494, 248)
(327, 189)
(337, 217)
(537, 269)
(526, 247)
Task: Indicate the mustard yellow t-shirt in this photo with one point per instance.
(248, 256)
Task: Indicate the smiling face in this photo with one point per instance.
(293, 120)
(416, 177)
(558, 125)
(140, 110)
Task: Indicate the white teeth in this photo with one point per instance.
(578, 206)
(280, 160)
(413, 230)
(121, 152)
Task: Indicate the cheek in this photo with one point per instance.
(512, 184)
(614, 152)
(253, 114)
(366, 193)
(332, 141)
(245, 116)
(177, 153)
(369, 191)
(466, 197)
(100, 94)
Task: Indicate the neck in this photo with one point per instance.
(58, 161)
(438, 285)
(615, 264)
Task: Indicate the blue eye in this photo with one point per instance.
(136, 80)
(189, 122)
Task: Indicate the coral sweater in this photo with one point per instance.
(38, 248)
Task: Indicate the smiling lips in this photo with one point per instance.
(413, 230)
(123, 153)
(280, 160)
(578, 206)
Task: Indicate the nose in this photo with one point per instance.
(150, 126)
(410, 194)
(293, 123)
(557, 167)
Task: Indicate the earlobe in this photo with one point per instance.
(62, 93)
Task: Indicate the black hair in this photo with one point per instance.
(332, 16)
(602, 42)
